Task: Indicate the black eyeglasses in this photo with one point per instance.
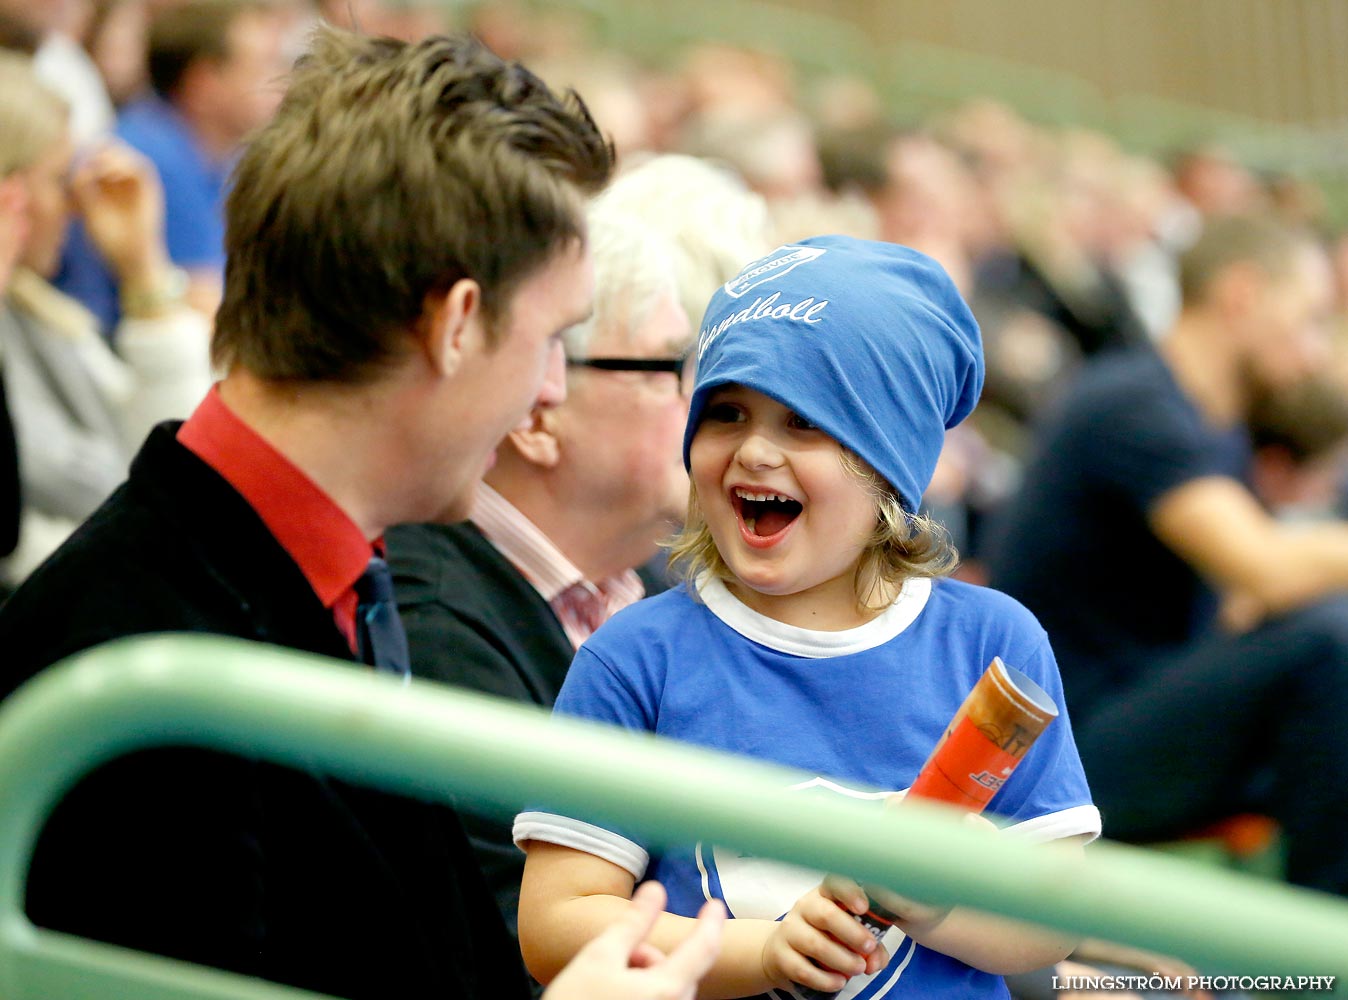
(675, 366)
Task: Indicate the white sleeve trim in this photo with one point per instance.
(566, 832)
(1073, 822)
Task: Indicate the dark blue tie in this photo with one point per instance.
(380, 639)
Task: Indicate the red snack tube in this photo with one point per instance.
(985, 741)
(983, 744)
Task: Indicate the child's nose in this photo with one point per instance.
(758, 451)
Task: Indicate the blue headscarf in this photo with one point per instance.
(871, 342)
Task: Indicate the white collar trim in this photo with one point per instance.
(810, 643)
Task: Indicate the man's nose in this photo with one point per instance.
(553, 390)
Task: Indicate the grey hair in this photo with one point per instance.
(32, 116)
(714, 222)
(633, 271)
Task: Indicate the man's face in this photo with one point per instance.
(1288, 332)
(620, 433)
(496, 385)
(24, 23)
(248, 82)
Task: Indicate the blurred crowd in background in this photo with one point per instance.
(1064, 242)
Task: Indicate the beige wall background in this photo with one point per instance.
(1268, 78)
(1279, 61)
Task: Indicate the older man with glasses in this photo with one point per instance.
(580, 494)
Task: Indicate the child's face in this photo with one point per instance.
(795, 556)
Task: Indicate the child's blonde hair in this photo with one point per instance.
(903, 545)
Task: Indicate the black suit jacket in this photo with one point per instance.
(474, 621)
(11, 495)
(247, 866)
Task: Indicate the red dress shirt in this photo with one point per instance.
(331, 551)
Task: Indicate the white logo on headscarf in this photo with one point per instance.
(781, 261)
(805, 311)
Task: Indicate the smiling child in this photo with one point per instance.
(813, 631)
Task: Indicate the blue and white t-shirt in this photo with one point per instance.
(861, 709)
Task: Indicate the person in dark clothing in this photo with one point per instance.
(356, 396)
(13, 229)
(1136, 523)
(575, 502)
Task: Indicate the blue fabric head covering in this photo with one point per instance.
(868, 341)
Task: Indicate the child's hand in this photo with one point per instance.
(917, 919)
(819, 944)
(914, 918)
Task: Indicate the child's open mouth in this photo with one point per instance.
(764, 515)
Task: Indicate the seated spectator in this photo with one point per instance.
(579, 497)
(713, 223)
(1298, 438)
(1136, 521)
(117, 39)
(62, 63)
(713, 220)
(13, 234)
(80, 410)
(215, 68)
(355, 397)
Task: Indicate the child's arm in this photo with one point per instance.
(621, 964)
(996, 944)
(990, 943)
(568, 897)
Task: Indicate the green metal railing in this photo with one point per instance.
(434, 742)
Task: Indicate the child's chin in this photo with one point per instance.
(766, 585)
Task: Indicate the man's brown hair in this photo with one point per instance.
(1238, 239)
(391, 171)
(1308, 420)
(182, 34)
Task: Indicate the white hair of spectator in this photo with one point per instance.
(633, 271)
(715, 223)
(33, 117)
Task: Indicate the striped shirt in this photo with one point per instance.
(581, 605)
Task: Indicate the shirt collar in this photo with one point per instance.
(328, 546)
(523, 544)
(812, 643)
(537, 558)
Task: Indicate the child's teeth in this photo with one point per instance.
(749, 523)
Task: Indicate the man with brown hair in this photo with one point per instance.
(1135, 524)
(407, 245)
(581, 495)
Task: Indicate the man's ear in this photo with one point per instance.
(1237, 289)
(450, 322)
(535, 438)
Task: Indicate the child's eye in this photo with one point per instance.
(799, 423)
(723, 413)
